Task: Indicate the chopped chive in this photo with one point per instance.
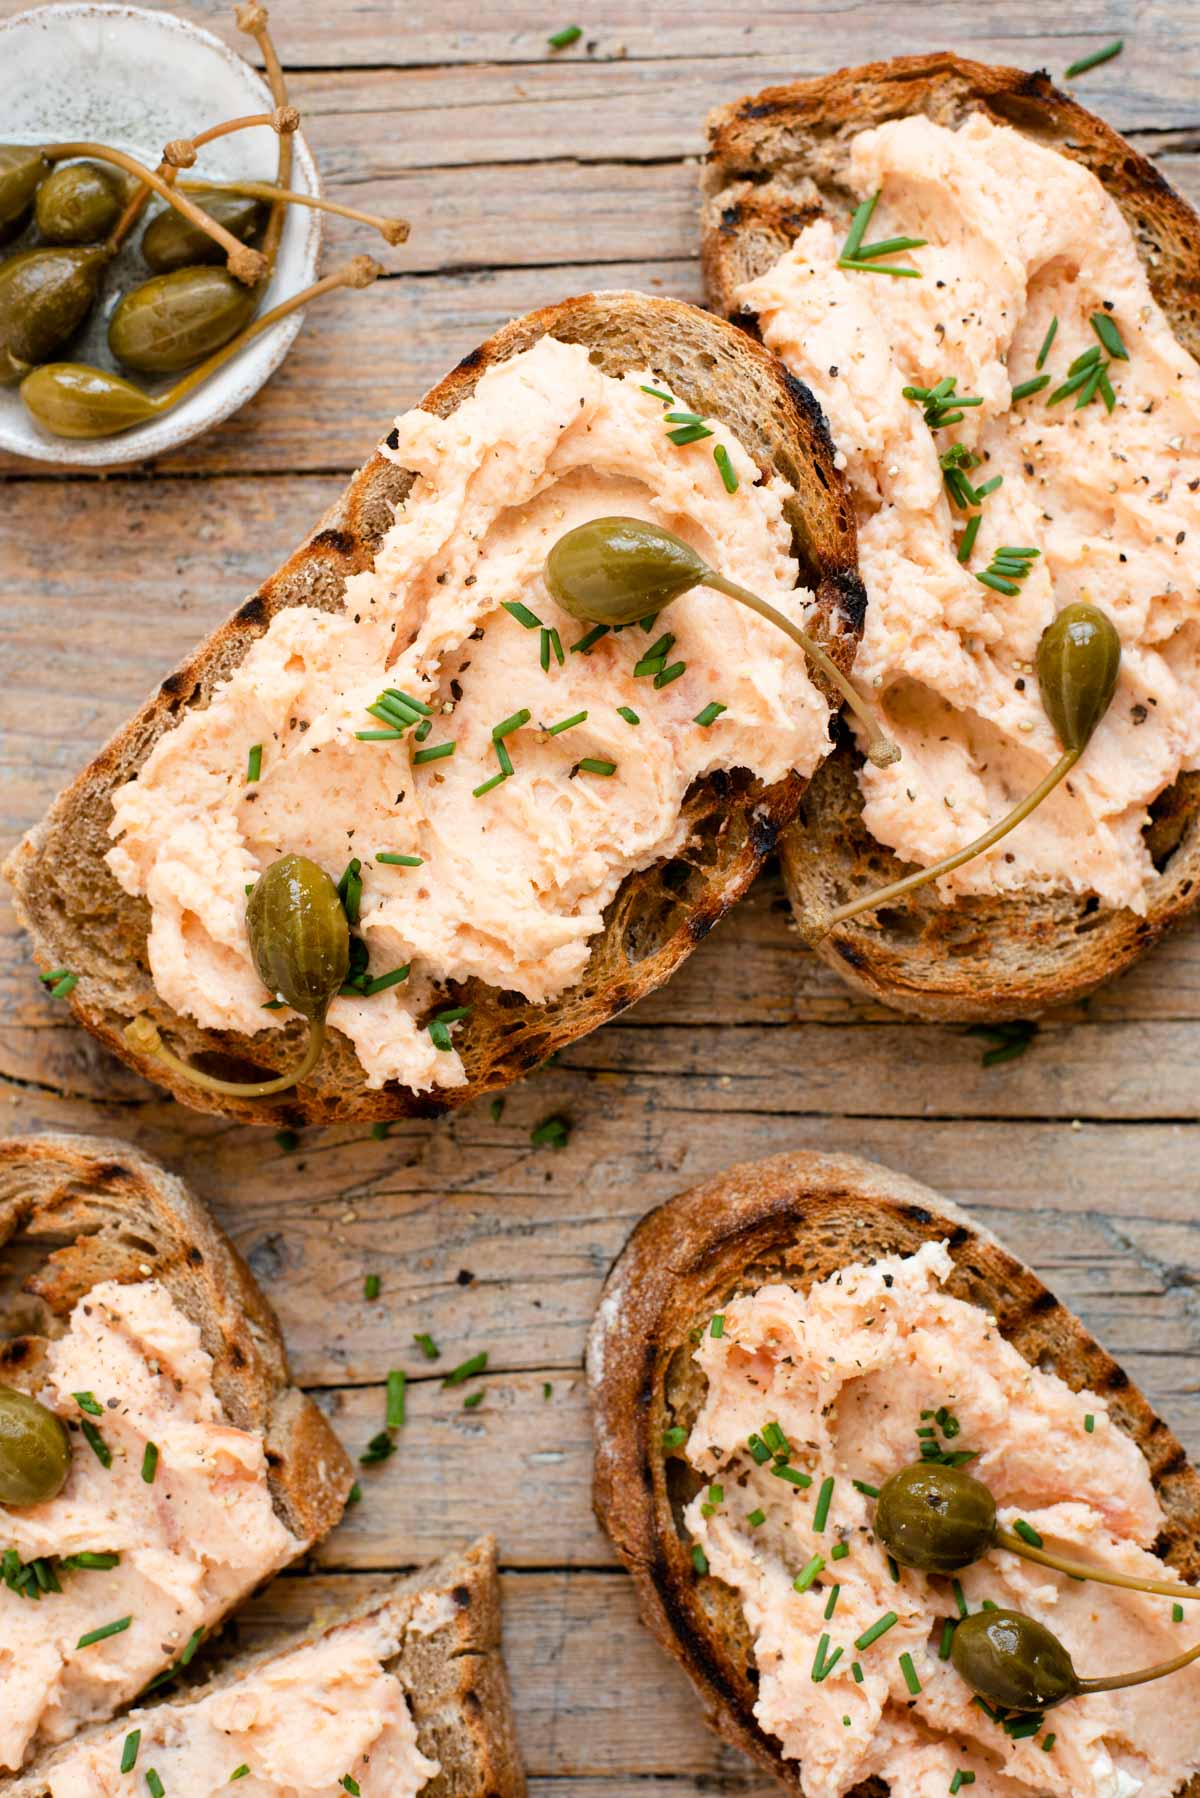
(1096, 57)
(503, 757)
(997, 583)
(829, 1665)
(556, 730)
(466, 1369)
(349, 890)
(857, 1672)
(894, 1569)
(1027, 1533)
(92, 1562)
(684, 418)
(710, 714)
(877, 1629)
(507, 726)
(716, 1495)
(758, 1449)
(1176, 1613)
(544, 651)
(593, 765)
(1089, 1423)
(689, 434)
(390, 709)
(959, 1598)
(489, 786)
(190, 1646)
(434, 754)
(522, 614)
(379, 1448)
(129, 1752)
(775, 1439)
(380, 982)
(473, 1401)
(418, 705)
(351, 1785)
(808, 1574)
(667, 675)
(422, 730)
(821, 1513)
(104, 1632)
(1048, 1742)
(1047, 340)
(867, 1491)
(1020, 1729)
(150, 1462)
(968, 537)
(717, 1327)
(241, 1772)
(1071, 385)
(755, 1517)
(627, 712)
(1088, 359)
(956, 1782)
(1105, 389)
(155, 1785)
(254, 763)
(840, 1551)
(496, 1109)
(859, 223)
(570, 34)
(878, 268)
(96, 1443)
(394, 860)
(892, 246)
(587, 643)
(831, 1605)
(910, 1674)
(427, 1345)
(997, 480)
(1088, 391)
(657, 653)
(87, 1402)
(371, 1287)
(397, 1382)
(668, 399)
(378, 736)
(547, 1391)
(699, 1559)
(553, 1132)
(54, 974)
(728, 474)
(792, 1475)
(819, 1659)
(948, 1629)
(675, 1437)
(1024, 389)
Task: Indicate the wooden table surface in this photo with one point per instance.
(530, 175)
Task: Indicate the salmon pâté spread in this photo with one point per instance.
(813, 1400)
(1028, 282)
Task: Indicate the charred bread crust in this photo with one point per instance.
(776, 161)
(113, 1214)
(79, 916)
(797, 1218)
(453, 1676)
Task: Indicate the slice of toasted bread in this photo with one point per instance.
(777, 161)
(80, 918)
(797, 1218)
(449, 1662)
(78, 1210)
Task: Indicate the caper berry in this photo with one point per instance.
(1078, 660)
(299, 937)
(938, 1519)
(174, 320)
(70, 399)
(79, 202)
(1013, 1661)
(35, 1454)
(21, 169)
(617, 570)
(171, 241)
(44, 296)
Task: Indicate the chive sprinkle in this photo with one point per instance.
(910, 1674)
(667, 675)
(1047, 340)
(857, 1672)
(808, 1574)
(104, 1632)
(489, 786)
(570, 34)
(378, 1449)
(867, 1491)
(351, 1785)
(150, 1462)
(427, 1345)
(690, 434)
(754, 1518)
(1110, 337)
(859, 223)
(829, 1665)
(395, 860)
(129, 1752)
(1073, 383)
(716, 1494)
(434, 754)
(1087, 359)
(877, 1629)
(588, 642)
(556, 730)
(710, 714)
(889, 246)
(819, 1659)
(397, 1382)
(668, 399)
(717, 1327)
(371, 1287)
(959, 1598)
(553, 1132)
(503, 757)
(522, 614)
(684, 418)
(466, 1369)
(96, 1443)
(1024, 389)
(1096, 57)
(241, 1772)
(439, 1026)
(792, 1475)
(473, 1401)
(381, 982)
(1176, 1613)
(89, 1560)
(378, 736)
(968, 537)
(1105, 389)
(593, 765)
(1027, 1533)
(254, 763)
(824, 1496)
(87, 1402)
(878, 268)
(840, 1551)
(725, 466)
(190, 1646)
(1048, 1742)
(831, 1605)
(948, 1629)
(699, 1559)
(627, 712)
(155, 1785)
(1089, 1423)
(507, 726)
(675, 1437)
(894, 1569)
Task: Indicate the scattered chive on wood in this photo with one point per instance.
(379, 1448)
(467, 1369)
(371, 1287)
(1095, 58)
(397, 1384)
(473, 1400)
(427, 1345)
(552, 1132)
(570, 34)
(496, 1109)
(288, 1141)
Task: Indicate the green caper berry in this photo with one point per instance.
(79, 202)
(175, 320)
(44, 296)
(35, 1453)
(1078, 660)
(299, 937)
(616, 570)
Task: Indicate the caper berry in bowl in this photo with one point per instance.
(81, 72)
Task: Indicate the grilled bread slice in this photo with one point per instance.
(447, 1619)
(777, 161)
(80, 918)
(79, 1210)
(797, 1219)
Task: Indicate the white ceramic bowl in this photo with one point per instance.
(134, 79)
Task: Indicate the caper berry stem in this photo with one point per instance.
(144, 1038)
(243, 263)
(181, 152)
(898, 888)
(254, 21)
(393, 231)
(1116, 1682)
(1085, 1571)
(880, 749)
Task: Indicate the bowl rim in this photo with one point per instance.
(227, 394)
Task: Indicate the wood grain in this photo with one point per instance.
(529, 175)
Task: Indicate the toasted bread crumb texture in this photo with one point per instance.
(782, 167)
(1019, 240)
(790, 1224)
(80, 917)
(558, 819)
(867, 1371)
